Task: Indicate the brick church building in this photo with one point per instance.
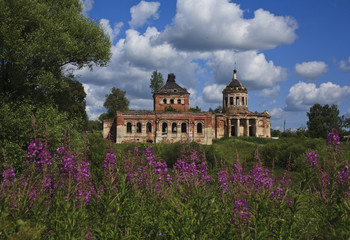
(170, 120)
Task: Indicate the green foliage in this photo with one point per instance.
(322, 119)
(115, 101)
(16, 124)
(156, 81)
(39, 38)
(196, 109)
(170, 109)
(216, 110)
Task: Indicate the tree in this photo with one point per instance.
(115, 101)
(157, 81)
(322, 119)
(39, 40)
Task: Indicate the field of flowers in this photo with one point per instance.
(137, 196)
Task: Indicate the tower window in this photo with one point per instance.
(242, 100)
(164, 100)
(237, 100)
(128, 127)
(183, 128)
(178, 101)
(199, 128)
(138, 127)
(225, 101)
(171, 101)
(231, 100)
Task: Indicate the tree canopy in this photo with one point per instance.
(322, 119)
(40, 40)
(157, 81)
(115, 101)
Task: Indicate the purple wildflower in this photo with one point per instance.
(240, 213)
(8, 177)
(311, 158)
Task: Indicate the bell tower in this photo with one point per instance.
(235, 96)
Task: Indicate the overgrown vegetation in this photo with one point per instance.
(178, 191)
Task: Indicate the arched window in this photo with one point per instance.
(164, 100)
(178, 101)
(237, 100)
(149, 127)
(183, 127)
(225, 101)
(171, 101)
(128, 127)
(231, 100)
(164, 127)
(242, 100)
(174, 128)
(199, 128)
(138, 127)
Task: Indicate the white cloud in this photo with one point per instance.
(143, 11)
(311, 70)
(254, 71)
(303, 95)
(133, 60)
(213, 93)
(270, 93)
(278, 113)
(87, 5)
(112, 32)
(219, 24)
(345, 65)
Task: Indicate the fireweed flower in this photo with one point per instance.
(240, 213)
(8, 177)
(223, 180)
(333, 140)
(343, 176)
(38, 154)
(311, 158)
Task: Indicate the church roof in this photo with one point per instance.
(171, 87)
(235, 85)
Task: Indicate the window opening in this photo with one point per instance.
(165, 127)
(231, 100)
(171, 101)
(199, 128)
(128, 127)
(179, 101)
(237, 100)
(183, 128)
(164, 100)
(174, 128)
(138, 127)
(149, 127)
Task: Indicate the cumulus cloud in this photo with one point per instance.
(311, 70)
(345, 65)
(112, 32)
(270, 93)
(213, 93)
(303, 95)
(254, 71)
(220, 24)
(141, 12)
(277, 113)
(133, 60)
(87, 5)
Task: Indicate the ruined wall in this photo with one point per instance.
(164, 127)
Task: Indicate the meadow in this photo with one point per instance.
(237, 188)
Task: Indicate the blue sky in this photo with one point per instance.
(289, 54)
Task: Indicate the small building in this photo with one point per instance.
(171, 122)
